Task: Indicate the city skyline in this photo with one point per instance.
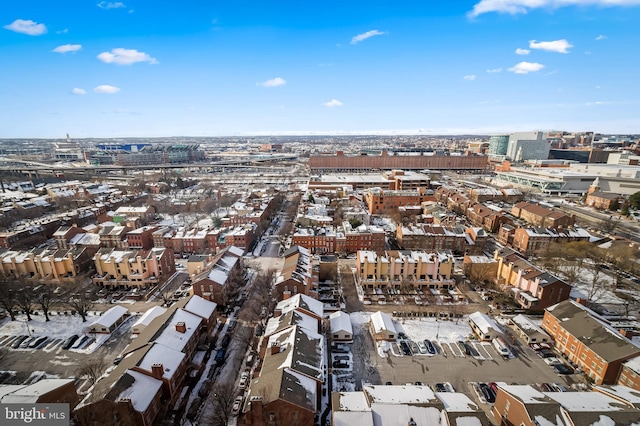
(132, 68)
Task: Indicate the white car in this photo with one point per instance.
(237, 404)
(552, 361)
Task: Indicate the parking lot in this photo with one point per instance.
(469, 367)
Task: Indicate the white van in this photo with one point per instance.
(501, 346)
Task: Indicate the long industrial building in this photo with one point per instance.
(346, 163)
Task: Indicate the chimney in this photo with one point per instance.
(275, 348)
(157, 370)
(181, 327)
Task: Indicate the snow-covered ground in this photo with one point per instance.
(60, 327)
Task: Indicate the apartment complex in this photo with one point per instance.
(588, 341)
(398, 269)
(132, 268)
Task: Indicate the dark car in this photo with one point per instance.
(405, 348)
(431, 349)
(70, 341)
(16, 343)
(462, 346)
(440, 387)
(563, 369)
(487, 393)
(546, 353)
(204, 389)
(38, 342)
(340, 364)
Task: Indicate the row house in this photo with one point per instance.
(159, 237)
(397, 268)
(433, 237)
(481, 195)
(113, 236)
(299, 274)
(384, 200)
(209, 282)
(145, 213)
(343, 240)
(64, 234)
(531, 241)
(133, 268)
(478, 214)
(192, 241)
(154, 368)
(45, 264)
(287, 388)
(532, 288)
(526, 406)
(538, 215)
(141, 238)
(242, 236)
(587, 340)
(605, 200)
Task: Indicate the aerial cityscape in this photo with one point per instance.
(334, 214)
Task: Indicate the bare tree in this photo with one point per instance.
(222, 396)
(92, 369)
(45, 299)
(26, 300)
(8, 296)
(80, 302)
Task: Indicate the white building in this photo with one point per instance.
(528, 146)
(341, 329)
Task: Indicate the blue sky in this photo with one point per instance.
(248, 67)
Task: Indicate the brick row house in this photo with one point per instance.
(299, 275)
(287, 386)
(437, 237)
(209, 278)
(343, 239)
(380, 200)
(541, 216)
(154, 368)
(478, 214)
(532, 288)
(587, 340)
(531, 241)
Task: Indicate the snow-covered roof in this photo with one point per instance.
(301, 301)
(526, 325)
(201, 307)
(172, 338)
(299, 349)
(160, 354)
(111, 316)
(401, 414)
(484, 323)
(21, 394)
(408, 394)
(457, 402)
(623, 392)
(585, 401)
(527, 394)
(633, 364)
(141, 389)
(148, 316)
(236, 251)
(291, 318)
(350, 401)
(382, 322)
(340, 321)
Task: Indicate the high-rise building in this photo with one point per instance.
(528, 146)
(498, 144)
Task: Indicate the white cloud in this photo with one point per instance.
(514, 7)
(332, 103)
(601, 37)
(65, 31)
(111, 5)
(77, 91)
(123, 56)
(560, 46)
(105, 88)
(494, 70)
(27, 26)
(470, 77)
(361, 37)
(274, 82)
(67, 48)
(520, 51)
(526, 67)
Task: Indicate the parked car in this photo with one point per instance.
(69, 341)
(440, 387)
(340, 364)
(552, 360)
(38, 342)
(488, 394)
(563, 369)
(423, 348)
(462, 346)
(80, 342)
(25, 344)
(546, 353)
(431, 348)
(16, 343)
(244, 378)
(237, 404)
(405, 347)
